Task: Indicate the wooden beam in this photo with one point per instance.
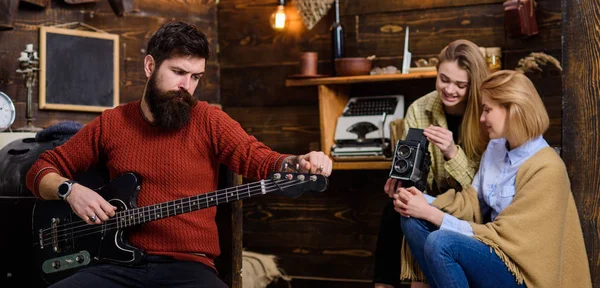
(359, 79)
(580, 141)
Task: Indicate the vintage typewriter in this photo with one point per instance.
(363, 129)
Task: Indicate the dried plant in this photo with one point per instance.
(533, 62)
(311, 11)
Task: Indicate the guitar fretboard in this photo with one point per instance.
(145, 214)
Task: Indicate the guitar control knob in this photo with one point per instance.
(79, 259)
(56, 264)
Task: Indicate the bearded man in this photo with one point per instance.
(175, 144)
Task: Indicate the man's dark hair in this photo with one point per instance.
(177, 39)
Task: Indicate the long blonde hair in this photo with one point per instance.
(526, 114)
(473, 138)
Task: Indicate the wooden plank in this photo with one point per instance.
(8, 13)
(554, 133)
(357, 245)
(347, 207)
(292, 130)
(201, 10)
(243, 4)
(377, 6)
(332, 100)
(411, 90)
(37, 3)
(359, 79)
(580, 147)
(432, 29)
(362, 165)
(229, 223)
(330, 234)
(316, 219)
(553, 105)
(264, 86)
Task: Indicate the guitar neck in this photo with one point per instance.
(136, 216)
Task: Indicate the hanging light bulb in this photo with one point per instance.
(278, 17)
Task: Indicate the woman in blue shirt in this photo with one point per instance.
(456, 253)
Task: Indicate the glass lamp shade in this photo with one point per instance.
(278, 18)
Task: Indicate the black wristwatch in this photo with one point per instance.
(64, 189)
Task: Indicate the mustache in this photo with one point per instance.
(181, 93)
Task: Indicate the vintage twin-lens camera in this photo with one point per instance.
(412, 160)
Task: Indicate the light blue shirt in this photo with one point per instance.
(495, 180)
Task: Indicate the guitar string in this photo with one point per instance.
(216, 193)
(110, 224)
(201, 198)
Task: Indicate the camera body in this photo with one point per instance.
(412, 160)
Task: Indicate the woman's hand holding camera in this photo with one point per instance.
(441, 138)
(410, 202)
(391, 185)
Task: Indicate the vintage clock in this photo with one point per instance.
(7, 112)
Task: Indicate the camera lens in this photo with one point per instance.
(401, 166)
(403, 151)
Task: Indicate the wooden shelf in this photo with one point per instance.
(334, 93)
(359, 79)
(363, 165)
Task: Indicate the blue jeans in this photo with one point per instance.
(157, 271)
(450, 259)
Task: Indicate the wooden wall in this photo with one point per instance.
(134, 30)
(331, 237)
(581, 90)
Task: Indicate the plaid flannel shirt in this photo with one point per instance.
(455, 173)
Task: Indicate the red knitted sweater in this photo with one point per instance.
(172, 165)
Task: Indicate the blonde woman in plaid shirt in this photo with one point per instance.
(450, 119)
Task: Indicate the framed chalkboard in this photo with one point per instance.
(79, 70)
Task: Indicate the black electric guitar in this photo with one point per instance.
(65, 243)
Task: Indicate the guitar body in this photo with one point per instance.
(65, 251)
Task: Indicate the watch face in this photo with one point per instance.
(7, 112)
(63, 188)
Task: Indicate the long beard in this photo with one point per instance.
(170, 109)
